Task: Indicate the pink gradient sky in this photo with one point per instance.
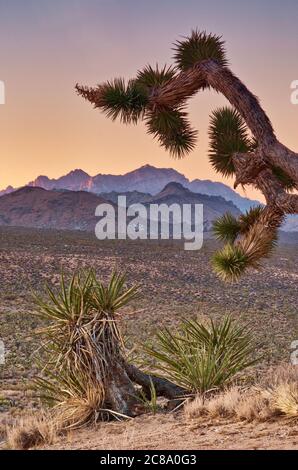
(48, 46)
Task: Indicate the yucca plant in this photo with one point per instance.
(150, 78)
(172, 130)
(119, 100)
(83, 349)
(200, 358)
(230, 262)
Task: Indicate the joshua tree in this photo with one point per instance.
(242, 141)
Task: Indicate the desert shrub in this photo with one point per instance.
(284, 398)
(202, 358)
(81, 343)
(275, 395)
(32, 431)
(232, 403)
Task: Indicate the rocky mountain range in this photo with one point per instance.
(140, 184)
(75, 210)
(147, 179)
(37, 207)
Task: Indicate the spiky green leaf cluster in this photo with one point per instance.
(250, 238)
(226, 228)
(228, 134)
(250, 217)
(199, 357)
(149, 77)
(230, 262)
(173, 131)
(198, 47)
(126, 101)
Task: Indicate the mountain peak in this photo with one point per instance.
(174, 186)
(78, 172)
(146, 179)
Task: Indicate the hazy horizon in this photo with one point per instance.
(49, 46)
(126, 172)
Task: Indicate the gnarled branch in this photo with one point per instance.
(163, 387)
(267, 164)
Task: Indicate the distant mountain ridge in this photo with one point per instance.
(146, 179)
(41, 208)
(75, 210)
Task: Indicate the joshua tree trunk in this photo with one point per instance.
(122, 394)
(163, 387)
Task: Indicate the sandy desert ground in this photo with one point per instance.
(175, 284)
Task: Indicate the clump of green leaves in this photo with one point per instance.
(228, 135)
(201, 357)
(198, 47)
(248, 239)
(230, 262)
(228, 227)
(173, 131)
(118, 99)
(150, 78)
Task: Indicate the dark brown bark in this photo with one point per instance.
(163, 387)
(224, 81)
(121, 394)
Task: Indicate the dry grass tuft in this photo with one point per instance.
(32, 431)
(254, 407)
(285, 398)
(277, 395)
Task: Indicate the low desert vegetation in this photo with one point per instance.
(272, 326)
(260, 402)
(83, 346)
(32, 431)
(83, 358)
(202, 358)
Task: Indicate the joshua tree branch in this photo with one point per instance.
(268, 165)
(163, 387)
(250, 168)
(221, 79)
